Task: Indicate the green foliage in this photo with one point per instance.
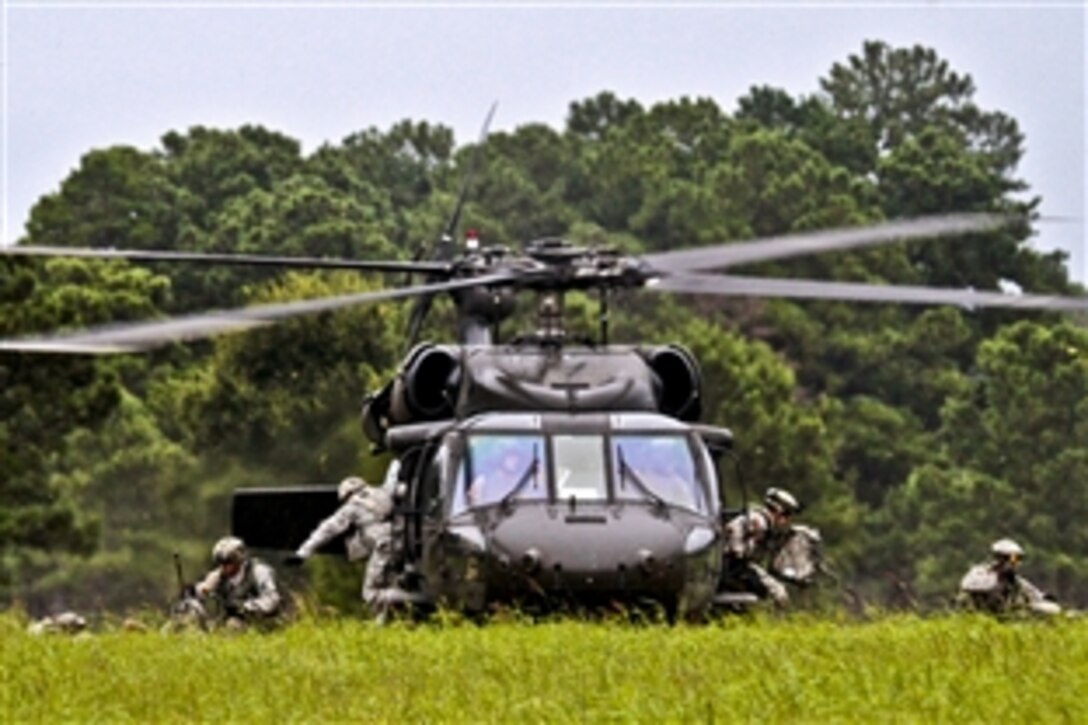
(845, 141)
(44, 399)
(592, 118)
(900, 92)
(274, 395)
(140, 495)
(213, 166)
(773, 184)
(1013, 461)
(119, 197)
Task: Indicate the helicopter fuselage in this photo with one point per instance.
(547, 509)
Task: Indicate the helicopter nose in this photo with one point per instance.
(633, 550)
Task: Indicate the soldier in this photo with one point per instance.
(756, 537)
(996, 587)
(364, 513)
(244, 587)
(63, 623)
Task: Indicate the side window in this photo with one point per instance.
(710, 476)
(459, 500)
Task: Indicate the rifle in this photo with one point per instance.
(187, 608)
(180, 576)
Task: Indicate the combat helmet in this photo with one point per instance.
(348, 486)
(229, 549)
(1006, 549)
(781, 501)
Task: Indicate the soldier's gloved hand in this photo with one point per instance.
(293, 560)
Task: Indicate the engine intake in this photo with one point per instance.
(429, 383)
(425, 390)
(679, 382)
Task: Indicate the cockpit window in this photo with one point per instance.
(579, 467)
(502, 466)
(659, 467)
(650, 467)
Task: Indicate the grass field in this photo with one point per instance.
(791, 669)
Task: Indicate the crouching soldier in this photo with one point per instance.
(364, 515)
(997, 588)
(753, 540)
(243, 587)
(63, 623)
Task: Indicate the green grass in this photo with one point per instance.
(792, 669)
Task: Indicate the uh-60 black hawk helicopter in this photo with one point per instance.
(543, 468)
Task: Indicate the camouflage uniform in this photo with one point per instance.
(799, 556)
(995, 587)
(748, 540)
(64, 623)
(760, 538)
(365, 514)
(248, 595)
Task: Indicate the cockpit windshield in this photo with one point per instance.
(501, 466)
(657, 467)
(579, 467)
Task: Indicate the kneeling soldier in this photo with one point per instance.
(243, 586)
(996, 587)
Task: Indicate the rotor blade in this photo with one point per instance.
(148, 255)
(420, 308)
(466, 183)
(444, 251)
(138, 336)
(705, 284)
(793, 245)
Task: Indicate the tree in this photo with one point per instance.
(213, 167)
(274, 398)
(773, 184)
(43, 399)
(845, 141)
(1013, 461)
(931, 150)
(136, 484)
(403, 161)
(301, 216)
(592, 118)
(900, 92)
(116, 197)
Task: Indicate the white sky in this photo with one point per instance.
(83, 75)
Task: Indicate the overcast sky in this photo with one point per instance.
(85, 75)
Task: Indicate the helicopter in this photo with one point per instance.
(545, 468)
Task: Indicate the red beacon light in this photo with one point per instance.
(472, 240)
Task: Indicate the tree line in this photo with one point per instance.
(916, 435)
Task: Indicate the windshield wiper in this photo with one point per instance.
(627, 471)
(531, 472)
